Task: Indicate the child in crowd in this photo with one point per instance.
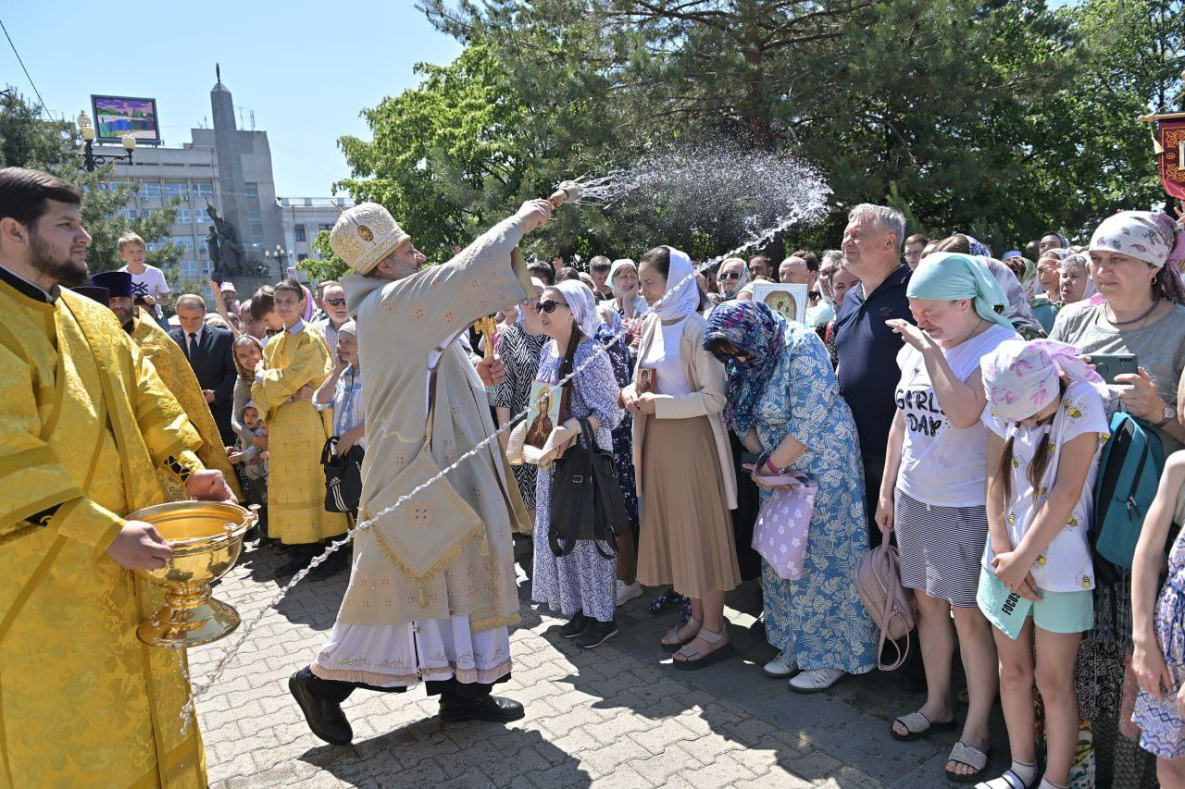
(1047, 416)
(255, 463)
(1159, 628)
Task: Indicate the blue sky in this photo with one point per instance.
(305, 68)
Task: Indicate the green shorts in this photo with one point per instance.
(1064, 612)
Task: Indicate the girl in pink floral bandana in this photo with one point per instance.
(1047, 419)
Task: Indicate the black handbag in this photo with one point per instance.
(586, 501)
(343, 477)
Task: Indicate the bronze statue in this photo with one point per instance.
(222, 241)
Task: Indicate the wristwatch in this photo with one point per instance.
(1170, 413)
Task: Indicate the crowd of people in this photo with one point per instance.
(934, 397)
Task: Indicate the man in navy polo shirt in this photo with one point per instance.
(867, 348)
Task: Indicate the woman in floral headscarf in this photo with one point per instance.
(1140, 313)
(783, 401)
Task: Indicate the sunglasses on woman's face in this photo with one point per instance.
(549, 306)
(726, 355)
(730, 275)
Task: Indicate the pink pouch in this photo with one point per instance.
(781, 532)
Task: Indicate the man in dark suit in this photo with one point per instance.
(211, 355)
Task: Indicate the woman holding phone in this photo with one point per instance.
(1140, 314)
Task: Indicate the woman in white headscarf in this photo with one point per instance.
(583, 584)
(733, 275)
(1074, 282)
(682, 460)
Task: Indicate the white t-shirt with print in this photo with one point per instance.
(150, 283)
(1065, 566)
(943, 465)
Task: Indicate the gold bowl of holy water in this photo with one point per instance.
(207, 537)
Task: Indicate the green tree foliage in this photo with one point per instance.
(326, 265)
(27, 139)
(999, 118)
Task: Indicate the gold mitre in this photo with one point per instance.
(364, 235)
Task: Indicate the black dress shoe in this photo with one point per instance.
(575, 626)
(491, 708)
(325, 718)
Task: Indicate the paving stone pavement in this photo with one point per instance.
(612, 717)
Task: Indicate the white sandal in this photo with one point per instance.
(673, 635)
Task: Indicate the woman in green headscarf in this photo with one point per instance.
(934, 489)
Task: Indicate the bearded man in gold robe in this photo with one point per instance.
(432, 589)
(85, 423)
(175, 371)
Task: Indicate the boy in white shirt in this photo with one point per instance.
(148, 282)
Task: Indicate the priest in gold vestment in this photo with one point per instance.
(86, 423)
(175, 371)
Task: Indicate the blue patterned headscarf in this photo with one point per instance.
(754, 329)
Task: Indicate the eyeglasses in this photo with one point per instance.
(549, 306)
(335, 302)
(730, 275)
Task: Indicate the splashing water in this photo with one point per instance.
(722, 188)
(802, 201)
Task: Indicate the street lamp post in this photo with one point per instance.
(91, 160)
(280, 256)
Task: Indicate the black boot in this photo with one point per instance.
(596, 633)
(325, 718)
(489, 708)
(337, 561)
(575, 626)
(301, 556)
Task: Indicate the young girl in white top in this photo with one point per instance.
(1047, 417)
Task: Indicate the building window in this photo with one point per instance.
(326, 228)
(183, 216)
(176, 189)
(150, 190)
(257, 240)
(300, 234)
(253, 191)
(200, 217)
(203, 191)
(147, 212)
(185, 243)
(196, 269)
(255, 217)
(301, 256)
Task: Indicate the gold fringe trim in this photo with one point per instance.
(441, 564)
(491, 622)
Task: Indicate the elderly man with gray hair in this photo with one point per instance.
(866, 347)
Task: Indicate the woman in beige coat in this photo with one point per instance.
(682, 460)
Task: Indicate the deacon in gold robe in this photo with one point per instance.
(432, 588)
(86, 422)
(175, 371)
(295, 363)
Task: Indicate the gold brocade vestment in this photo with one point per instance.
(178, 376)
(85, 422)
(296, 435)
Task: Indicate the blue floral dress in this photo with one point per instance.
(818, 620)
(583, 580)
(623, 434)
